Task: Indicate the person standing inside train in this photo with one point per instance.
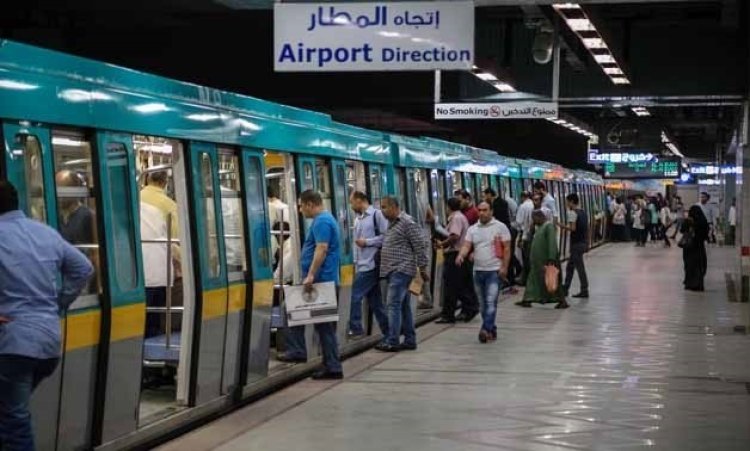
(370, 227)
(32, 257)
(319, 262)
(404, 253)
(548, 201)
(578, 226)
(489, 240)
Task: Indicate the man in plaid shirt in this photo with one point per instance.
(404, 251)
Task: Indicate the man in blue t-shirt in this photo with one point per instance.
(319, 262)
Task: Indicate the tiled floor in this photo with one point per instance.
(641, 365)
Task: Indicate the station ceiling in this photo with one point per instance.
(687, 62)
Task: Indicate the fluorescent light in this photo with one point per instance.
(580, 25)
(504, 87)
(620, 80)
(594, 43)
(606, 58)
(613, 71)
(486, 76)
(147, 108)
(566, 6)
(202, 117)
(61, 141)
(17, 85)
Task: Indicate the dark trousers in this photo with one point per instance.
(515, 268)
(575, 263)
(458, 284)
(19, 376)
(729, 240)
(297, 348)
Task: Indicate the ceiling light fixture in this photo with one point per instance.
(493, 80)
(582, 26)
(641, 111)
(571, 126)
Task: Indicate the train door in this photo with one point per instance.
(483, 182)
(453, 182)
(347, 176)
(376, 184)
(284, 177)
(165, 243)
(418, 195)
(494, 184)
(55, 176)
(258, 246)
(469, 184)
(222, 263)
(437, 196)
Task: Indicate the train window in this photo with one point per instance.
(484, 183)
(232, 214)
(34, 175)
(261, 255)
(375, 189)
(123, 223)
(355, 181)
(401, 180)
(322, 173)
(455, 182)
(342, 210)
(307, 177)
(209, 228)
(76, 206)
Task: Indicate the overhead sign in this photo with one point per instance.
(618, 157)
(656, 168)
(373, 36)
(709, 169)
(505, 110)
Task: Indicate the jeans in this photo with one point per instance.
(19, 376)
(457, 285)
(297, 349)
(399, 308)
(367, 283)
(575, 263)
(487, 286)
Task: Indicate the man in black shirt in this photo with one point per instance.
(500, 209)
(577, 225)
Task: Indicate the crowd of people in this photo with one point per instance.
(658, 219)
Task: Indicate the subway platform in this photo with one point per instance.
(642, 364)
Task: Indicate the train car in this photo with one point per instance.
(184, 198)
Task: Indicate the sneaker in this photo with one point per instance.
(407, 347)
(484, 336)
(322, 375)
(493, 336)
(442, 320)
(354, 335)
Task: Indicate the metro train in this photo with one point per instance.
(80, 139)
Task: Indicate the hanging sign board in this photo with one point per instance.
(505, 110)
(656, 168)
(374, 36)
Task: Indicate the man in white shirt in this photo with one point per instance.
(489, 239)
(154, 246)
(526, 228)
(548, 201)
(732, 221)
(278, 211)
(708, 212)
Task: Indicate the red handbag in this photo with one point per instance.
(551, 273)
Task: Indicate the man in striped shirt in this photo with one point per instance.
(404, 251)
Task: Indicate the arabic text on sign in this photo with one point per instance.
(331, 18)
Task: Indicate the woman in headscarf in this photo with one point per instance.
(543, 252)
(693, 243)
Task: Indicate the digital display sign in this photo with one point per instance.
(656, 168)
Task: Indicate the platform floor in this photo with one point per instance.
(641, 365)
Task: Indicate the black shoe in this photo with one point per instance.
(385, 347)
(355, 335)
(442, 320)
(406, 347)
(524, 304)
(484, 336)
(582, 295)
(468, 318)
(562, 305)
(288, 359)
(322, 375)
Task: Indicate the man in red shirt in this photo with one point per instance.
(467, 206)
